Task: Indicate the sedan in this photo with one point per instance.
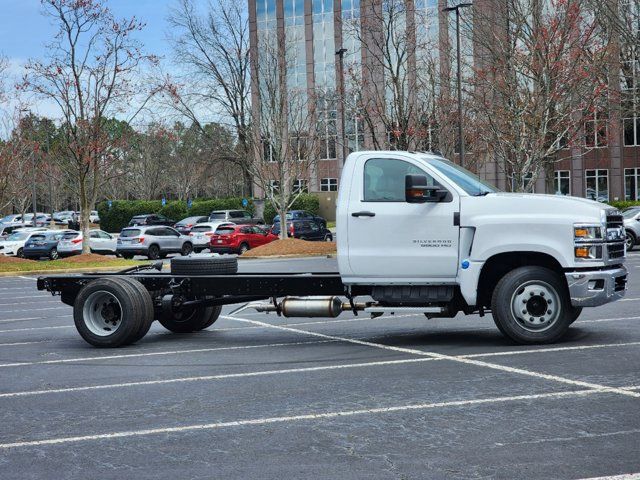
(185, 225)
(44, 244)
(99, 242)
(152, 242)
(239, 238)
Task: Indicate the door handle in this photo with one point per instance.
(363, 214)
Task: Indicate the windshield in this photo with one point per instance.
(217, 216)
(469, 182)
(14, 237)
(630, 213)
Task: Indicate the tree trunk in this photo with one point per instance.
(85, 212)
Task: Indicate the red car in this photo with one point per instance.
(239, 238)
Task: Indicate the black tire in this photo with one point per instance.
(546, 307)
(53, 254)
(154, 252)
(187, 248)
(189, 320)
(630, 240)
(575, 313)
(132, 307)
(328, 237)
(20, 253)
(244, 247)
(198, 250)
(227, 265)
(126, 256)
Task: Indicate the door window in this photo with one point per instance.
(246, 230)
(170, 232)
(384, 179)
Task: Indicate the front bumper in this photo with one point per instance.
(592, 288)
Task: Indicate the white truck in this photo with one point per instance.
(416, 233)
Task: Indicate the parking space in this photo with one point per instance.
(259, 396)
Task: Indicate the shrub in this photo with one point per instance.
(119, 215)
(621, 205)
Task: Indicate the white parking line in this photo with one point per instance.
(628, 299)
(624, 476)
(37, 309)
(154, 354)
(468, 361)
(12, 330)
(615, 319)
(24, 343)
(206, 378)
(296, 418)
(293, 371)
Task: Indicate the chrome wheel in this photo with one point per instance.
(244, 248)
(53, 255)
(102, 313)
(536, 306)
(629, 241)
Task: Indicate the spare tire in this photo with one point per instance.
(190, 266)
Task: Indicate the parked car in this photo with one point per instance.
(239, 238)
(153, 242)
(44, 244)
(202, 232)
(305, 230)
(99, 242)
(298, 215)
(63, 217)
(13, 245)
(184, 226)
(151, 219)
(236, 216)
(94, 217)
(7, 229)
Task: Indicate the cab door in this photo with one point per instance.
(392, 239)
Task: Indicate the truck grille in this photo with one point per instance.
(616, 250)
(614, 220)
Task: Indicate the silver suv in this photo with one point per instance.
(631, 218)
(153, 242)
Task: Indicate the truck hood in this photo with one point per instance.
(574, 209)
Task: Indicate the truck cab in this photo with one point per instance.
(420, 230)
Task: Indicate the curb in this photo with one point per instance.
(62, 270)
(267, 257)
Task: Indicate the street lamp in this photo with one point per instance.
(343, 135)
(457, 8)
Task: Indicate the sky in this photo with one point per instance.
(24, 30)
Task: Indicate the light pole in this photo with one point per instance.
(457, 8)
(343, 134)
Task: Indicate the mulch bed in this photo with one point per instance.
(292, 246)
(85, 258)
(4, 259)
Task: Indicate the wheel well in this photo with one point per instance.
(499, 265)
(628, 230)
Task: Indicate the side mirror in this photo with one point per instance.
(418, 191)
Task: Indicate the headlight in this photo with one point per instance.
(593, 252)
(582, 233)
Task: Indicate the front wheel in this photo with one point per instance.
(531, 305)
(629, 241)
(187, 248)
(20, 253)
(244, 248)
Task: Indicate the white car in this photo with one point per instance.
(13, 245)
(99, 242)
(201, 234)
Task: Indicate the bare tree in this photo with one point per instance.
(90, 73)
(214, 50)
(543, 75)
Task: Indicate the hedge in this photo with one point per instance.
(621, 205)
(308, 202)
(119, 215)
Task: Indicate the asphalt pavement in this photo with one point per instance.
(258, 396)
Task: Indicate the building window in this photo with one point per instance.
(597, 184)
(526, 183)
(563, 182)
(631, 183)
(329, 185)
(596, 131)
(300, 185)
(274, 186)
(631, 128)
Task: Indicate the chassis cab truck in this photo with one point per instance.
(415, 233)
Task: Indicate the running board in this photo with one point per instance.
(404, 310)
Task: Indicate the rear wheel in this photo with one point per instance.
(53, 254)
(189, 319)
(113, 311)
(154, 252)
(187, 248)
(328, 237)
(20, 253)
(532, 305)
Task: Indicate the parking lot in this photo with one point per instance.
(257, 396)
